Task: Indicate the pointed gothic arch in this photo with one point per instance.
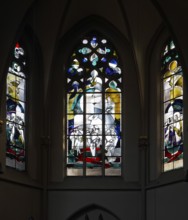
(93, 211)
(20, 98)
(57, 87)
(172, 102)
(94, 113)
(164, 56)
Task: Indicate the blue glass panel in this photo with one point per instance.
(113, 63)
(103, 59)
(84, 59)
(109, 71)
(94, 42)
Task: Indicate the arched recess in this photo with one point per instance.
(156, 111)
(174, 25)
(33, 98)
(93, 212)
(130, 103)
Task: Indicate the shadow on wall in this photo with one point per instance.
(93, 212)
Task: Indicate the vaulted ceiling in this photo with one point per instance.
(137, 20)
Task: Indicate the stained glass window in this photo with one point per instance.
(172, 81)
(94, 82)
(15, 109)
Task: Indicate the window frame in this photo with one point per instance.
(163, 102)
(32, 175)
(132, 127)
(155, 97)
(26, 118)
(86, 171)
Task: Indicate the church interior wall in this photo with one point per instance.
(142, 193)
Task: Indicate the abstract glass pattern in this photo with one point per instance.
(172, 83)
(94, 109)
(15, 109)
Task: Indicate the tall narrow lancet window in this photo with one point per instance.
(94, 82)
(15, 109)
(172, 81)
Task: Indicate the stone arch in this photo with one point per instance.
(93, 211)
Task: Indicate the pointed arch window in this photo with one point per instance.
(172, 81)
(94, 94)
(15, 108)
